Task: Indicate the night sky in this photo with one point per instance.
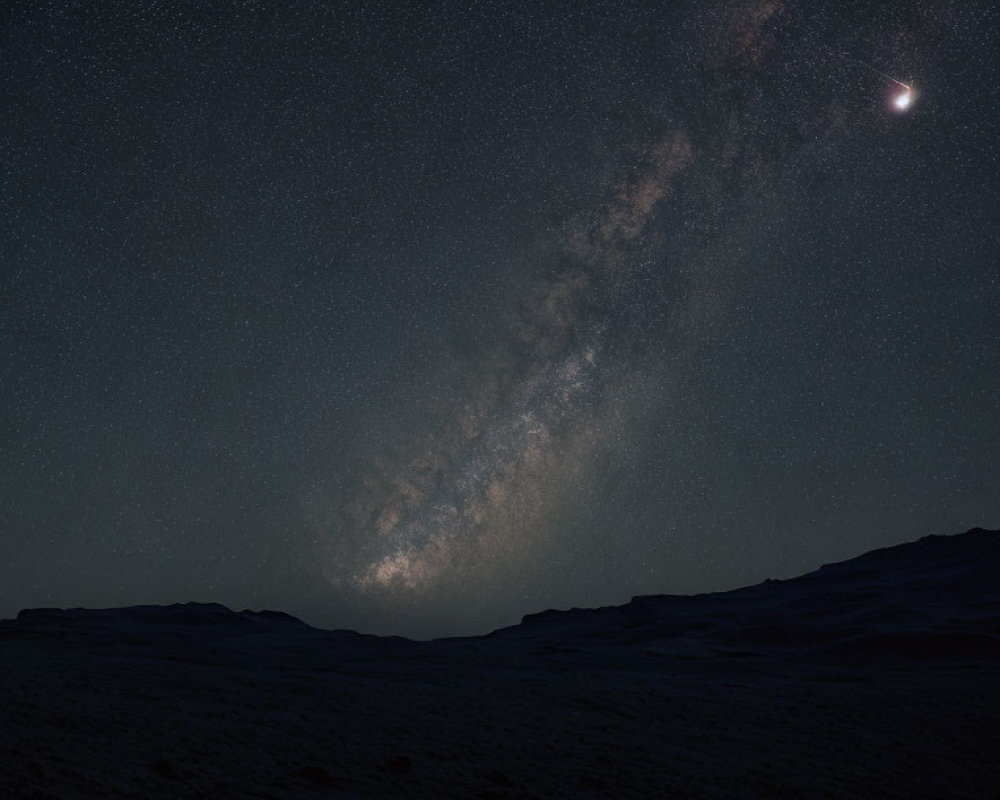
(417, 321)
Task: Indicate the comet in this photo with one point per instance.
(901, 101)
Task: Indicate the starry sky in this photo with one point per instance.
(417, 319)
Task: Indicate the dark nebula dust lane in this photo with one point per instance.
(418, 320)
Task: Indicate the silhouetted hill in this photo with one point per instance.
(936, 597)
(877, 676)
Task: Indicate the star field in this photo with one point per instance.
(415, 321)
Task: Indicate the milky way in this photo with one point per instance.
(552, 394)
(546, 402)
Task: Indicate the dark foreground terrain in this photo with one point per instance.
(876, 677)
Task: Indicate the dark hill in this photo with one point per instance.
(938, 597)
(874, 677)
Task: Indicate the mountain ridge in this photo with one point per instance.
(878, 676)
(964, 566)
